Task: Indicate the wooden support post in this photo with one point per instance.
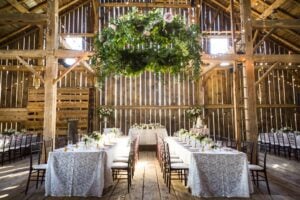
(51, 71)
(236, 106)
(249, 77)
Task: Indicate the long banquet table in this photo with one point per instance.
(82, 171)
(147, 136)
(214, 173)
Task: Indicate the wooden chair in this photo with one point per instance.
(259, 171)
(4, 151)
(273, 144)
(36, 166)
(119, 169)
(15, 147)
(26, 144)
(179, 169)
(293, 145)
(247, 148)
(283, 144)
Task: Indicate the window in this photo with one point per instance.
(75, 43)
(219, 45)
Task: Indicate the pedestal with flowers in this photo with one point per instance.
(105, 113)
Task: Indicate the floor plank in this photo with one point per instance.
(148, 183)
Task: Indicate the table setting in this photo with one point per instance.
(147, 133)
(83, 169)
(214, 170)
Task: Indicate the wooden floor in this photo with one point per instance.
(148, 184)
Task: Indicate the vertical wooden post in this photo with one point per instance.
(249, 77)
(51, 71)
(236, 106)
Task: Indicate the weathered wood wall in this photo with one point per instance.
(151, 97)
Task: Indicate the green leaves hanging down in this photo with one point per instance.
(137, 42)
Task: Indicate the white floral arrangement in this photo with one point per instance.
(147, 126)
(105, 111)
(194, 112)
(286, 129)
(96, 136)
(183, 132)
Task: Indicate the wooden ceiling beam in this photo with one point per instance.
(145, 5)
(19, 7)
(71, 3)
(60, 53)
(263, 39)
(279, 23)
(28, 18)
(271, 8)
(12, 34)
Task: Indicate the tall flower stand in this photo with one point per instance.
(105, 122)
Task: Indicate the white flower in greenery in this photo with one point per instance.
(112, 26)
(146, 33)
(168, 17)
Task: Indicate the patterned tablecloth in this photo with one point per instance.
(147, 136)
(215, 173)
(82, 171)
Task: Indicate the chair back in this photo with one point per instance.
(263, 159)
(60, 141)
(168, 157)
(280, 138)
(271, 138)
(292, 139)
(48, 147)
(36, 149)
(248, 149)
(18, 141)
(28, 139)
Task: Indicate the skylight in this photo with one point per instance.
(75, 43)
(219, 45)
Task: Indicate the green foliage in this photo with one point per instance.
(137, 42)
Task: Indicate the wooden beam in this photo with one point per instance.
(14, 33)
(83, 62)
(27, 18)
(68, 70)
(251, 127)
(236, 104)
(208, 69)
(23, 53)
(18, 6)
(291, 58)
(145, 5)
(286, 43)
(96, 15)
(67, 53)
(77, 34)
(266, 73)
(271, 8)
(263, 39)
(50, 105)
(278, 23)
(71, 3)
(255, 35)
(30, 68)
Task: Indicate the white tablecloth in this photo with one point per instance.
(81, 172)
(215, 173)
(147, 136)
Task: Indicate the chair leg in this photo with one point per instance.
(257, 182)
(43, 177)
(169, 181)
(28, 181)
(267, 182)
(37, 179)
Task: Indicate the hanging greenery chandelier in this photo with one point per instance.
(137, 42)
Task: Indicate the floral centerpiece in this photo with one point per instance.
(201, 137)
(286, 129)
(91, 138)
(153, 41)
(10, 132)
(147, 126)
(194, 112)
(105, 111)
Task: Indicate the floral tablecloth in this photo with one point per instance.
(214, 173)
(81, 171)
(147, 136)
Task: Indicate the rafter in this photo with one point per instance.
(263, 39)
(18, 6)
(271, 8)
(279, 23)
(28, 18)
(14, 33)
